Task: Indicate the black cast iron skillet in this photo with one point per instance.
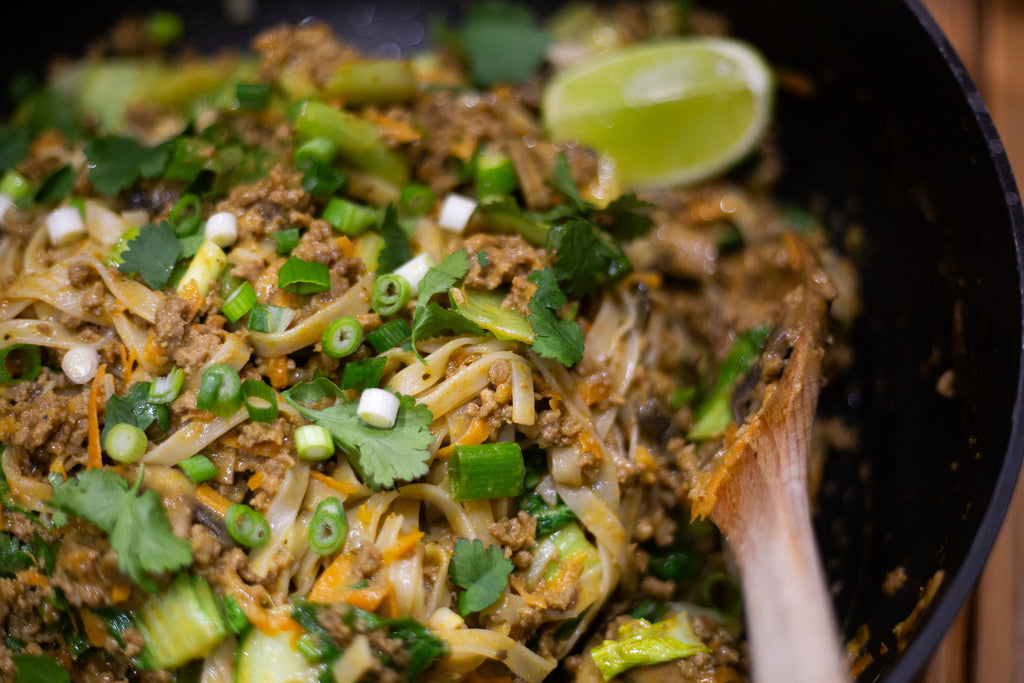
(894, 142)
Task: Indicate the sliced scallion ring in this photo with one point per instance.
(390, 293)
(239, 302)
(20, 363)
(329, 527)
(313, 442)
(342, 337)
(220, 390)
(165, 389)
(260, 401)
(247, 526)
(125, 442)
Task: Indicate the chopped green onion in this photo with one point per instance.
(20, 363)
(363, 374)
(715, 412)
(322, 180)
(389, 335)
(199, 468)
(253, 95)
(312, 151)
(16, 186)
(204, 268)
(378, 408)
(270, 319)
(313, 442)
(165, 389)
(682, 396)
(125, 442)
(239, 302)
(391, 292)
(674, 565)
(78, 203)
(349, 217)
(286, 240)
(329, 527)
(163, 28)
(116, 255)
(722, 592)
(234, 616)
(342, 337)
(303, 277)
(494, 175)
(483, 259)
(220, 390)
(489, 470)
(260, 401)
(247, 526)
(416, 200)
(383, 81)
(186, 215)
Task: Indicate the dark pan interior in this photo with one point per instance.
(894, 141)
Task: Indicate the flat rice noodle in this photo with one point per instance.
(355, 301)
(135, 296)
(54, 288)
(600, 519)
(103, 225)
(460, 522)
(418, 377)
(281, 514)
(26, 491)
(525, 664)
(191, 438)
(365, 519)
(464, 385)
(27, 331)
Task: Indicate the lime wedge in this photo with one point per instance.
(668, 112)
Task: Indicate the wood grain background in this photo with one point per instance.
(986, 642)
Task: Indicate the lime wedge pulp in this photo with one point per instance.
(668, 112)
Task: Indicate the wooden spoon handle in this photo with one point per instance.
(793, 636)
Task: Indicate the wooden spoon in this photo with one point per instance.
(755, 491)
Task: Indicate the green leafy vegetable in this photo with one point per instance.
(715, 412)
(363, 374)
(303, 277)
(433, 321)
(586, 259)
(39, 669)
(286, 240)
(641, 643)
(56, 186)
(152, 254)
(380, 456)
(324, 647)
(482, 572)
(561, 180)
(503, 43)
(135, 409)
(140, 532)
(443, 276)
(14, 144)
(48, 109)
(556, 338)
(396, 249)
(422, 646)
(119, 161)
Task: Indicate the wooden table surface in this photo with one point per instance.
(986, 642)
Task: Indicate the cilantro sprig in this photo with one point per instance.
(503, 43)
(431, 320)
(140, 532)
(117, 162)
(135, 409)
(381, 457)
(556, 338)
(481, 571)
(152, 254)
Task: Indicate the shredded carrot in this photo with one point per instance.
(392, 604)
(479, 430)
(212, 499)
(369, 598)
(94, 626)
(120, 592)
(128, 369)
(364, 515)
(645, 277)
(535, 600)
(588, 444)
(335, 578)
(152, 351)
(30, 577)
(594, 390)
(256, 480)
(277, 371)
(402, 546)
(95, 450)
(339, 486)
(58, 467)
(345, 244)
(272, 623)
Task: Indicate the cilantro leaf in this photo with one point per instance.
(396, 249)
(561, 180)
(556, 338)
(442, 277)
(625, 218)
(47, 109)
(363, 374)
(38, 669)
(380, 456)
(503, 42)
(152, 254)
(56, 186)
(119, 161)
(14, 144)
(135, 409)
(140, 532)
(144, 540)
(13, 556)
(586, 260)
(482, 572)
